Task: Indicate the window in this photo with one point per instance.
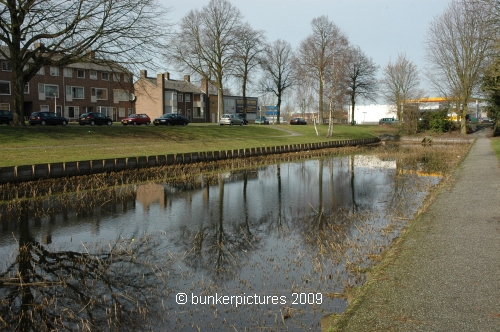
(120, 95)
(179, 97)
(47, 91)
(130, 111)
(54, 71)
(126, 78)
(100, 94)
(41, 71)
(74, 92)
(80, 73)
(93, 74)
(27, 88)
(5, 107)
(6, 66)
(4, 87)
(116, 77)
(105, 76)
(67, 72)
(44, 108)
(121, 112)
(188, 98)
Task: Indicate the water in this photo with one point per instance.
(272, 248)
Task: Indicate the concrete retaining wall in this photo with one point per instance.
(74, 168)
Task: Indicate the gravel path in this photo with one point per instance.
(446, 274)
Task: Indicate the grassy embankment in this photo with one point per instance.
(495, 143)
(37, 144)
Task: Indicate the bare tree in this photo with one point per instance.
(277, 67)
(399, 83)
(247, 58)
(457, 46)
(360, 74)
(206, 44)
(38, 33)
(315, 54)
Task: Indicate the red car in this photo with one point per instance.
(136, 119)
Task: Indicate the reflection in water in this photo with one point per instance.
(107, 288)
(115, 258)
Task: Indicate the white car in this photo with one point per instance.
(230, 119)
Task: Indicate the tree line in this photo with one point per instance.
(326, 73)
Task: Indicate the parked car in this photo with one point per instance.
(485, 120)
(137, 119)
(94, 118)
(6, 117)
(171, 119)
(242, 117)
(298, 121)
(47, 118)
(230, 119)
(387, 121)
(261, 120)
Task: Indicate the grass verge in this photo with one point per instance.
(32, 145)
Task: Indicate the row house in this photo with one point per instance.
(73, 90)
(161, 95)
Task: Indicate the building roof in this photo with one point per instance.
(92, 64)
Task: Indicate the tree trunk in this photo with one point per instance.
(320, 102)
(18, 93)
(463, 123)
(353, 103)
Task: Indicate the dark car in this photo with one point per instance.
(137, 119)
(387, 121)
(47, 118)
(6, 117)
(242, 117)
(298, 121)
(261, 120)
(171, 119)
(94, 118)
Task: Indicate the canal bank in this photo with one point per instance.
(65, 169)
(444, 274)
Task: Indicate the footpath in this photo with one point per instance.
(446, 272)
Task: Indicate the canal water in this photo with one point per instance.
(275, 247)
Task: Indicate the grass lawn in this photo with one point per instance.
(37, 144)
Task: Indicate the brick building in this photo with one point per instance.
(73, 90)
(161, 94)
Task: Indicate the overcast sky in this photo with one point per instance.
(382, 28)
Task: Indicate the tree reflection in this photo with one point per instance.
(217, 247)
(114, 289)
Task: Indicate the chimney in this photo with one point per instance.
(160, 78)
(204, 86)
(167, 76)
(187, 78)
(90, 54)
(144, 73)
(39, 45)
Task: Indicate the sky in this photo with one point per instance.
(381, 28)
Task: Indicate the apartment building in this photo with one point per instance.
(161, 94)
(73, 90)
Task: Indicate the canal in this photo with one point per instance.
(273, 247)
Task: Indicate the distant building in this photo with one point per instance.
(161, 94)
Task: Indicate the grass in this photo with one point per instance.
(36, 144)
(495, 143)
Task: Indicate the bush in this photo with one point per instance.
(438, 122)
